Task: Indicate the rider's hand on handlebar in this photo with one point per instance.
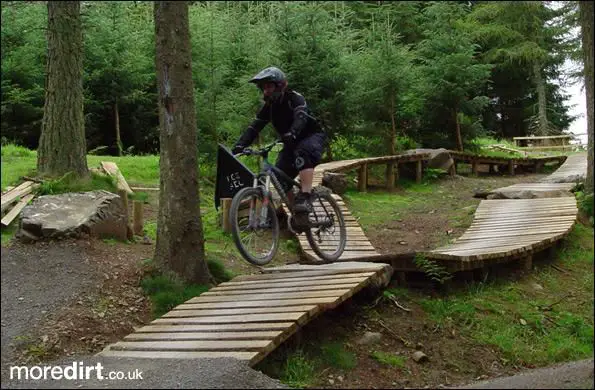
(237, 149)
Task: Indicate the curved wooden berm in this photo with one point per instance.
(509, 229)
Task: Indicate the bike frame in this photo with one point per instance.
(271, 173)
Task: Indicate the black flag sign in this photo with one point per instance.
(232, 175)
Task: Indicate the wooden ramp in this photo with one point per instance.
(251, 315)
(573, 168)
(358, 245)
(507, 229)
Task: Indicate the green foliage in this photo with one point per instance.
(70, 183)
(336, 355)
(585, 203)
(218, 271)
(432, 269)
(167, 292)
(298, 371)
(378, 76)
(389, 359)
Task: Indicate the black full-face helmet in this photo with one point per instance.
(271, 75)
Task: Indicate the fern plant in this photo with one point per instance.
(435, 271)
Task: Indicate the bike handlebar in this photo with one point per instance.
(259, 152)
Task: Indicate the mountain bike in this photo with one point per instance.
(255, 225)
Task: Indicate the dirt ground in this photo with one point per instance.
(114, 305)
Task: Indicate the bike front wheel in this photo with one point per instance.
(254, 225)
(327, 236)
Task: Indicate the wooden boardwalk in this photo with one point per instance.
(507, 229)
(251, 315)
(358, 246)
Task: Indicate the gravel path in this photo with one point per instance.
(161, 373)
(37, 279)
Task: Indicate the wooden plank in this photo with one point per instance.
(187, 308)
(345, 267)
(215, 292)
(304, 274)
(264, 296)
(305, 283)
(112, 169)
(244, 318)
(513, 227)
(513, 234)
(21, 190)
(12, 214)
(172, 326)
(195, 345)
(310, 310)
(247, 356)
(166, 336)
(313, 279)
(351, 254)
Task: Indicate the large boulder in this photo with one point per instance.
(527, 194)
(439, 159)
(337, 182)
(95, 213)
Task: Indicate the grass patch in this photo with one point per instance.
(151, 229)
(16, 161)
(8, 234)
(388, 359)
(167, 292)
(336, 355)
(218, 271)
(515, 318)
(70, 183)
(298, 370)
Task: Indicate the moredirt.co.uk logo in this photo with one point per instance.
(75, 371)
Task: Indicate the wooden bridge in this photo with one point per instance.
(251, 315)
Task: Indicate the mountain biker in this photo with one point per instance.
(303, 138)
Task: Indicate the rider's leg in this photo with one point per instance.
(306, 179)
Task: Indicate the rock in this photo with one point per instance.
(95, 213)
(419, 346)
(527, 194)
(337, 182)
(439, 158)
(523, 321)
(370, 338)
(536, 286)
(419, 357)
(331, 381)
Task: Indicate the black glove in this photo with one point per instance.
(288, 138)
(238, 148)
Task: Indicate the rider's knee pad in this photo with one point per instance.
(303, 159)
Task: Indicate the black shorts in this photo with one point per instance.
(306, 154)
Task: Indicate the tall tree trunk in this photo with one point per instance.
(458, 129)
(62, 144)
(393, 131)
(180, 240)
(542, 124)
(117, 126)
(586, 17)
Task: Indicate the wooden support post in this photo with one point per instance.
(453, 169)
(402, 278)
(474, 168)
(362, 182)
(397, 175)
(527, 262)
(418, 175)
(390, 176)
(511, 167)
(124, 195)
(492, 170)
(137, 213)
(225, 222)
(539, 167)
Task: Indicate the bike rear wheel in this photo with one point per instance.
(255, 236)
(328, 241)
